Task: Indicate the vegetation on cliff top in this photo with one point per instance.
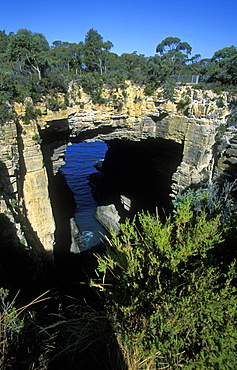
(30, 67)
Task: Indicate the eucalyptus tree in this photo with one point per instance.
(224, 65)
(96, 52)
(29, 50)
(65, 56)
(157, 70)
(4, 40)
(172, 48)
(5, 64)
(133, 63)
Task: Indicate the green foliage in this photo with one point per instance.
(149, 89)
(221, 129)
(57, 334)
(225, 65)
(216, 199)
(36, 137)
(54, 82)
(183, 103)
(168, 90)
(171, 303)
(29, 49)
(217, 90)
(10, 324)
(6, 113)
(53, 103)
(173, 50)
(137, 99)
(172, 46)
(4, 40)
(30, 114)
(220, 102)
(30, 68)
(96, 51)
(93, 85)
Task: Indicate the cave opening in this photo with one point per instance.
(137, 175)
(131, 176)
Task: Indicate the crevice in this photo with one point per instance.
(159, 117)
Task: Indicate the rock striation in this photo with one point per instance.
(188, 140)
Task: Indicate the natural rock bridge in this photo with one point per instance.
(173, 144)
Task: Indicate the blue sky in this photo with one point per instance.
(207, 25)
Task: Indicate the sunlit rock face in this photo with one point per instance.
(157, 147)
(108, 216)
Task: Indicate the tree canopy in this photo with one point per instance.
(224, 65)
(95, 51)
(28, 49)
(33, 68)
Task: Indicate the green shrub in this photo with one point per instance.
(149, 89)
(217, 90)
(220, 102)
(137, 99)
(93, 86)
(10, 323)
(171, 303)
(221, 129)
(53, 104)
(169, 90)
(6, 113)
(183, 103)
(30, 114)
(36, 137)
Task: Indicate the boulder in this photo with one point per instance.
(108, 217)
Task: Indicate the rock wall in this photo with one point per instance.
(31, 154)
(24, 186)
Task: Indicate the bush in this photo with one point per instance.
(171, 302)
(53, 104)
(169, 90)
(220, 102)
(30, 114)
(6, 113)
(93, 86)
(183, 103)
(221, 129)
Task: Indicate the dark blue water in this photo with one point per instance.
(80, 158)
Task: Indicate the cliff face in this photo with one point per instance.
(182, 137)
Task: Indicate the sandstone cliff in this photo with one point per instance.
(191, 140)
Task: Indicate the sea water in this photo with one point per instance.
(80, 158)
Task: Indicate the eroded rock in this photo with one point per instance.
(31, 154)
(108, 217)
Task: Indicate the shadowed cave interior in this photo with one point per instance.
(141, 171)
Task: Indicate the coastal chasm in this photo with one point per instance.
(157, 147)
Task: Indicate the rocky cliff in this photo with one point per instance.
(187, 139)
